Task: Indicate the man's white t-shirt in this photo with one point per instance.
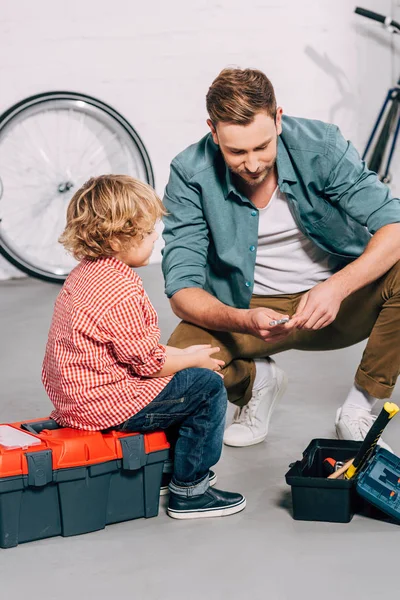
(287, 261)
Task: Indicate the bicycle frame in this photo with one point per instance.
(393, 95)
(393, 113)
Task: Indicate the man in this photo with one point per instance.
(272, 216)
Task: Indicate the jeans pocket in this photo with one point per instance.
(155, 421)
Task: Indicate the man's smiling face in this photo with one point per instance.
(249, 150)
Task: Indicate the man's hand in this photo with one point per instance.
(259, 324)
(319, 307)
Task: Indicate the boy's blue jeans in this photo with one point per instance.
(194, 404)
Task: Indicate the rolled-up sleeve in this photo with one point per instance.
(186, 234)
(131, 328)
(355, 188)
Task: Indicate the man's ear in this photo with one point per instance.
(278, 120)
(213, 131)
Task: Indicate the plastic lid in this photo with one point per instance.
(12, 438)
(69, 447)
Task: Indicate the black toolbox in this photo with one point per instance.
(316, 498)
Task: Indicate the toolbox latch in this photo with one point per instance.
(40, 468)
(133, 454)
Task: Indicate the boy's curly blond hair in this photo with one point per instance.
(109, 209)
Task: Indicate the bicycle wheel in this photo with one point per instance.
(50, 144)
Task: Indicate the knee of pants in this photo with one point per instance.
(394, 272)
(236, 374)
(219, 397)
(212, 385)
(230, 377)
(186, 334)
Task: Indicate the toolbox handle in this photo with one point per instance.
(38, 426)
(133, 453)
(40, 469)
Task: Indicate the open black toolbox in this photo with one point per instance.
(316, 498)
(373, 492)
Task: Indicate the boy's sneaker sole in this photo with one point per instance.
(164, 489)
(207, 512)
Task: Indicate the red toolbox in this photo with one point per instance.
(62, 481)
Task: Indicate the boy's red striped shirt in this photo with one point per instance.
(103, 343)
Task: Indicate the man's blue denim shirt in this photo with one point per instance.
(211, 229)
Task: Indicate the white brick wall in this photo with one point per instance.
(153, 61)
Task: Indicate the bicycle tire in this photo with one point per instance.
(92, 108)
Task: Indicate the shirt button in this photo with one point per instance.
(248, 283)
(252, 248)
(253, 213)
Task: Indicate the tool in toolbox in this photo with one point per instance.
(342, 470)
(331, 465)
(64, 481)
(351, 468)
(387, 413)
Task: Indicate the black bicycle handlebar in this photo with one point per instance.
(377, 17)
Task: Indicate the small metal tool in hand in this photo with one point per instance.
(279, 322)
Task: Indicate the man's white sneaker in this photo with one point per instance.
(250, 422)
(353, 423)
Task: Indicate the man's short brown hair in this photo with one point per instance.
(106, 209)
(237, 95)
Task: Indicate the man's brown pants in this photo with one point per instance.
(372, 312)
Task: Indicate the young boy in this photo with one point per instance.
(104, 365)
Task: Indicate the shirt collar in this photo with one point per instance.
(229, 186)
(284, 166)
(118, 265)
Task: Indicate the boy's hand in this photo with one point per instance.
(195, 348)
(203, 358)
(171, 351)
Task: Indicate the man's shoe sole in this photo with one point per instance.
(259, 439)
(244, 444)
(165, 490)
(207, 512)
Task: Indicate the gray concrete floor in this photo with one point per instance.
(260, 554)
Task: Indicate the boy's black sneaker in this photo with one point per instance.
(166, 478)
(213, 503)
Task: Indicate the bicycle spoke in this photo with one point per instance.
(41, 152)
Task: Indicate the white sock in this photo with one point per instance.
(263, 373)
(359, 398)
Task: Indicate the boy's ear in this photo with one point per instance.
(115, 245)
